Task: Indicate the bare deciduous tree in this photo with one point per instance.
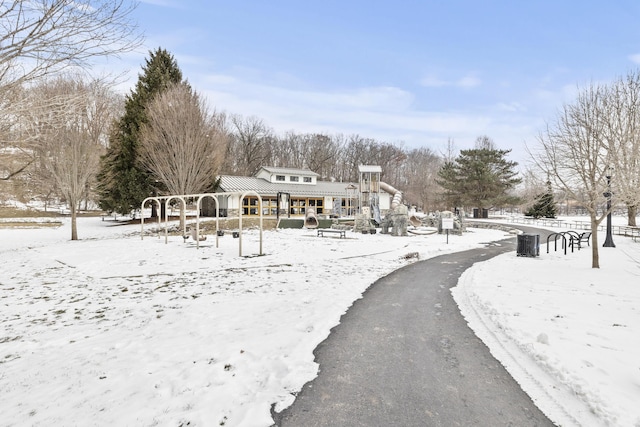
(357, 151)
(623, 139)
(249, 148)
(318, 153)
(182, 144)
(484, 142)
(533, 184)
(288, 151)
(575, 154)
(42, 38)
(69, 130)
(420, 172)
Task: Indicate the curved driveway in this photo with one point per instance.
(403, 355)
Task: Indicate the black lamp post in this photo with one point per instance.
(608, 242)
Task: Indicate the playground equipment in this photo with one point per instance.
(310, 218)
(397, 194)
(166, 200)
(397, 218)
(414, 220)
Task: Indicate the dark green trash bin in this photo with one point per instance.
(528, 245)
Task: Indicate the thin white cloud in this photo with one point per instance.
(384, 113)
(220, 79)
(467, 81)
(635, 58)
(371, 98)
(433, 81)
(173, 40)
(383, 98)
(556, 96)
(511, 106)
(162, 3)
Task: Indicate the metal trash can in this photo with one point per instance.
(528, 245)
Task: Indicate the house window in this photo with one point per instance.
(269, 205)
(317, 205)
(279, 177)
(299, 205)
(307, 179)
(294, 178)
(250, 205)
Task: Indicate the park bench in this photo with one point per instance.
(107, 215)
(321, 232)
(116, 215)
(576, 238)
(584, 237)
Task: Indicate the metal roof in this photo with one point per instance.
(265, 188)
(289, 171)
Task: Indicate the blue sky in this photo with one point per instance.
(408, 72)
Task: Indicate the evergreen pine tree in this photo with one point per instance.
(479, 178)
(122, 182)
(545, 206)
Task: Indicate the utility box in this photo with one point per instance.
(528, 245)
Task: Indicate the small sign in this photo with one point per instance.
(447, 223)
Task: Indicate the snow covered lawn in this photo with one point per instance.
(115, 330)
(569, 334)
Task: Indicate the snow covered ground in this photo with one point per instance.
(115, 330)
(569, 334)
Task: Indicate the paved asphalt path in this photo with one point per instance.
(403, 355)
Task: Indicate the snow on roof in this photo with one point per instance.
(263, 187)
(370, 168)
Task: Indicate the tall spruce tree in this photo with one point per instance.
(545, 206)
(479, 178)
(123, 183)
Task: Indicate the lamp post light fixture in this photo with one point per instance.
(608, 242)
